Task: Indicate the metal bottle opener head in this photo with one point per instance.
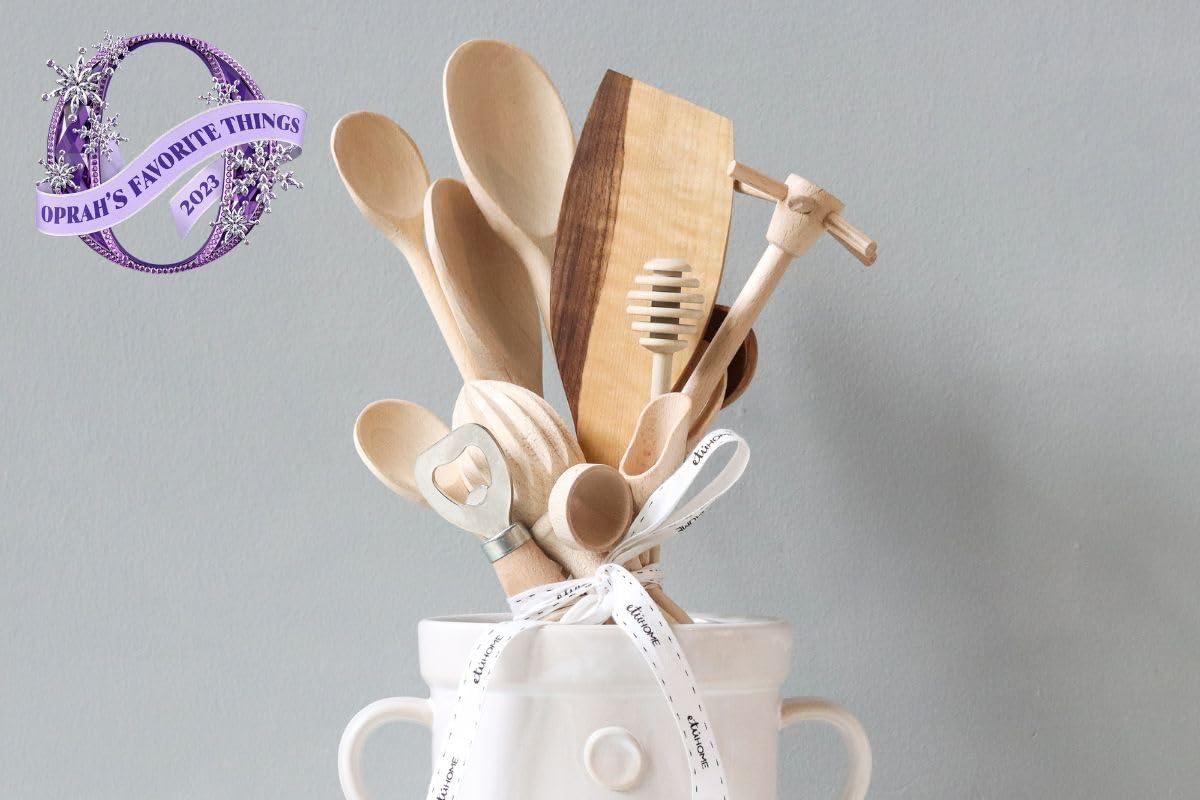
(488, 517)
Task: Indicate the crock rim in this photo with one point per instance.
(703, 621)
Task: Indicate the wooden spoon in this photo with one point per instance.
(514, 144)
(741, 369)
(386, 178)
(389, 435)
(486, 287)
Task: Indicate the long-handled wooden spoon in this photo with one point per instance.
(386, 178)
(486, 287)
(741, 369)
(514, 144)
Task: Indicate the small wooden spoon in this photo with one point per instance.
(486, 287)
(514, 144)
(390, 434)
(386, 178)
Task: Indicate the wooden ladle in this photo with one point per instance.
(386, 178)
(514, 145)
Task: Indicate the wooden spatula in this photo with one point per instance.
(648, 181)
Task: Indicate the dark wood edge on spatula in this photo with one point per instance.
(585, 229)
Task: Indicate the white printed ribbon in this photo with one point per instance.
(616, 593)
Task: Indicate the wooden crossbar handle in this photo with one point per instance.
(858, 243)
(754, 183)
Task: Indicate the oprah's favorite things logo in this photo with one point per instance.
(233, 153)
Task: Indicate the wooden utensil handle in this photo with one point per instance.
(435, 298)
(670, 609)
(732, 333)
(858, 243)
(754, 183)
(526, 568)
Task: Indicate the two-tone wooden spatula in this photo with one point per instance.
(648, 181)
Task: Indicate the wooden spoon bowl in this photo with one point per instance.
(741, 369)
(514, 144)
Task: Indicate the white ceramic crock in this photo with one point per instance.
(573, 711)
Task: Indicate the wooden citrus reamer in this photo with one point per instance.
(803, 211)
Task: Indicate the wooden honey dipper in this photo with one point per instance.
(672, 313)
(666, 314)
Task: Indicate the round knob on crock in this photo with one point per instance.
(613, 758)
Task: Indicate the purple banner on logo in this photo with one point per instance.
(172, 156)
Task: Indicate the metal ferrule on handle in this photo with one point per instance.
(505, 542)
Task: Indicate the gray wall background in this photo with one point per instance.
(974, 488)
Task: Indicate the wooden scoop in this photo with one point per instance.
(658, 446)
(590, 508)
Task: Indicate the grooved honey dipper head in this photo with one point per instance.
(663, 308)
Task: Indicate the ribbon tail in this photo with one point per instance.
(636, 613)
(451, 767)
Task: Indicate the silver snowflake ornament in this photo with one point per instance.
(221, 93)
(111, 49)
(60, 173)
(78, 84)
(263, 171)
(233, 223)
(100, 135)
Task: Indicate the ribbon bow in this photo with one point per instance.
(613, 592)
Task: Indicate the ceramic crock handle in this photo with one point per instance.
(858, 748)
(366, 722)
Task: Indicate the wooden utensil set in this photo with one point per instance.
(617, 248)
